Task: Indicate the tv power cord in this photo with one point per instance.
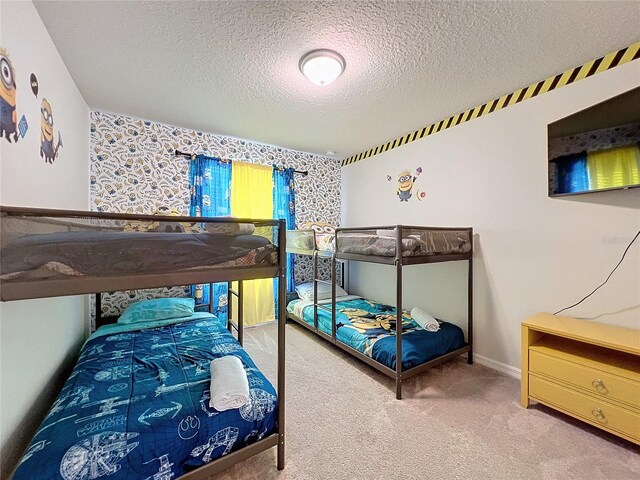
(603, 283)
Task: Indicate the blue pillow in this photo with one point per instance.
(157, 309)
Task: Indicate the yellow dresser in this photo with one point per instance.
(585, 369)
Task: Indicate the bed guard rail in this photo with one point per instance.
(402, 241)
(48, 252)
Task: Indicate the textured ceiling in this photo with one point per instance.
(232, 67)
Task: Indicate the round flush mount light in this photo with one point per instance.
(322, 66)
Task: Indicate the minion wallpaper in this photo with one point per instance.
(48, 150)
(8, 115)
(405, 185)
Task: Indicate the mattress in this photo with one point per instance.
(379, 245)
(137, 406)
(418, 242)
(108, 253)
(369, 327)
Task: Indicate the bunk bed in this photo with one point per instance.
(368, 330)
(107, 420)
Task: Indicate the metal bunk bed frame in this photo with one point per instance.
(399, 375)
(51, 288)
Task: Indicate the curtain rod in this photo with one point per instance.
(192, 156)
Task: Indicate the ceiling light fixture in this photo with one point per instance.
(322, 66)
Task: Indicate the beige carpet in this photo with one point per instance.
(456, 422)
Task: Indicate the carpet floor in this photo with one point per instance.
(456, 421)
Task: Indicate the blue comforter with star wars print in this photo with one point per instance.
(136, 405)
(370, 328)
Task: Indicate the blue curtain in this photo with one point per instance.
(573, 175)
(210, 197)
(210, 187)
(284, 208)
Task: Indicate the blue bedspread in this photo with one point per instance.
(137, 406)
(369, 327)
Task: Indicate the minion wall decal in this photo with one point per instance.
(406, 183)
(8, 115)
(48, 150)
(33, 81)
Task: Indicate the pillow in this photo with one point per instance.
(305, 291)
(168, 227)
(319, 227)
(230, 228)
(178, 227)
(157, 309)
(325, 234)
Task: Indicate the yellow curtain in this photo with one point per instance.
(615, 167)
(252, 197)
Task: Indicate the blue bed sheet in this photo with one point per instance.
(136, 406)
(369, 327)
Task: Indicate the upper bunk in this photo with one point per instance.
(47, 253)
(310, 242)
(391, 244)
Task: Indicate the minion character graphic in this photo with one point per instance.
(405, 184)
(366, 323)
(8, 123)
(47, 149)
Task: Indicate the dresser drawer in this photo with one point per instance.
(591, 409)
(595, 381)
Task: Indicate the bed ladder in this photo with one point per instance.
(316, 304)
(239, 326)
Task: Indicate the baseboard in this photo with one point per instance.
(499, 366)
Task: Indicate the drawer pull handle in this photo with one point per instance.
(598, 413)
(600, 386)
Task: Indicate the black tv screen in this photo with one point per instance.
(596, 149)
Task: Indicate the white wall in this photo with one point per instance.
(38, 338)
(532, 253)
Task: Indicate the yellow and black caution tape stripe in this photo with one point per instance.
(601, 64)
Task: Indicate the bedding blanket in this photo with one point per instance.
(114, 253)
(381, 246)
(369, 327)
(137, 406)
(426, 242)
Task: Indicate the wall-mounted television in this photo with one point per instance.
(597, 149)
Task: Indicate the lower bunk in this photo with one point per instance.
(137, 405)
(367, 330)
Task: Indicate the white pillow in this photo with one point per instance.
(305, 291)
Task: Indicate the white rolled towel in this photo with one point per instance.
(425, 320)
(229, 384)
